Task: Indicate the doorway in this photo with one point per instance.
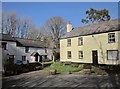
(40, 60)
(95, 57)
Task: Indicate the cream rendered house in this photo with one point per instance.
(97, 43)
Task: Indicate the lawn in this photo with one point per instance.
(63, 68)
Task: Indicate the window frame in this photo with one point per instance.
(11, 59)
(117, 55)
(23, 57)
(69, 56)
(80, 41)
(68, 42)
(111, 38)
(4, 45)
(26, 49)
(45, 56)
(80, 56)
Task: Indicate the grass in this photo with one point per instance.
(63, 68)
(74, 68)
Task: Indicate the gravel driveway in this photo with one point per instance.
(43, 79)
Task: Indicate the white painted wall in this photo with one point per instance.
(18, 52)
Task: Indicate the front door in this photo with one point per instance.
(95, 57)
(40, 59)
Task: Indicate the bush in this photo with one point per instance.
(99, 71)
(87, 66)
(17, 69)
(75, 65)
(81, 66)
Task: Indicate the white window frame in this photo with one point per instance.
(80, 54)
(23, 58)
(69, 55)
(68, 42)
(110, 56)
(111, 38)
(80, 41)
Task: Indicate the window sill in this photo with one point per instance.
(111, 42)
(68, 46)
(112, 59)
(80, 45)
(80, 58)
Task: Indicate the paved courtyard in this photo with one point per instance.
(41, 78)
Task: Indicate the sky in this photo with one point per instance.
(40, 12)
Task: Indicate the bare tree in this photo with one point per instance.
(18, 28)
(56, 27)
(10, 23)
(26, 25)
(33, 33)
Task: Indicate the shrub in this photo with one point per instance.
(87, 66)
(81, 66)
(75, 65)
(99, 71)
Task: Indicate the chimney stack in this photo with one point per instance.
(69, 26)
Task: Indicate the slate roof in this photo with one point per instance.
(22, 42)
(100, 27)
(29, 43)
(6, 37)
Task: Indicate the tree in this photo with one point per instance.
(33, 33)
(94, 16)
(10, 24)
(56, 26)
(25, 27)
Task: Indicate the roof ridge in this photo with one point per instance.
(99, 22)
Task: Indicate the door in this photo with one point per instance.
(36, 58)
(95, 57)
(40, 59)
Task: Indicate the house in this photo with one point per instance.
(95, 44)
(23, 51)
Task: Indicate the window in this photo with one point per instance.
(11, 59)
(68, 42)
(69, 54)
(111, 38)
(45, 56)
(4, 45)
(45, 50)
(26, 49)
(112, 54)
(80, 41)
(80, 54)
(23, 58)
